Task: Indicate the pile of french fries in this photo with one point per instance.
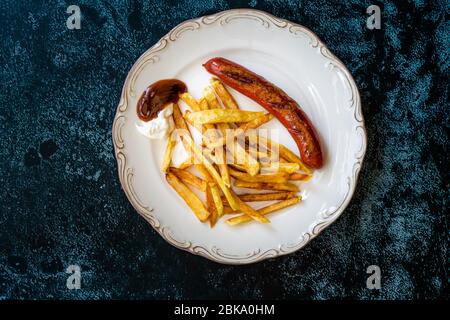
(212, 115)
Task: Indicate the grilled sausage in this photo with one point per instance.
(274, 100)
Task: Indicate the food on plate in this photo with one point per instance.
(274, 100)
(226, 98)
(157, 96)
(217, 200)
(188, 196)
(267, 185)
(159, 127)
(231, 152)
(280, 177)
(255, 123)
(288, 167)
(284, 152)
(211, 207)
(249, 211)
(190, 101)
(154, 107)
(186, 163)
(168, 153)
(252, 197)
(221, 116)
(188, 177)
(263, 211)
(212, 171)
(210, 102)
(300, 176)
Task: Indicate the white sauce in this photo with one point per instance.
(159, 127)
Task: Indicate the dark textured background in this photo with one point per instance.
(61, 201)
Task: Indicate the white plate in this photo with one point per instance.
(293, 58)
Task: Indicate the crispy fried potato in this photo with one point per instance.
(288, 167)
(212, 171)
(280, 177)
(222, 115)
(209, 95)
(226, 98)
(186, 163)
(242, 157)
(215, 193)
(189, 178)
(252, 197)
(186, 138)
(205, 173)
(300, 176)
(237, 167)
(245, 126)
(188, 196)
(203, 104)
(212, 135)
(223, 168)
(190, 101)
(228, 210)
(285, 153)
(171, 141)
(255, 123)
(211, 207)
(249, 211)
(266, 186)
(180, 123)
(264, 211)
(292, 157)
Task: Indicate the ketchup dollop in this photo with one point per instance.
(157, 96)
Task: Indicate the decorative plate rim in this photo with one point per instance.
(126, 173)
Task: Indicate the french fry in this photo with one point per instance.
(204, 172)
(222, 115)
(217, 200)
(223, 164)
(285, 153)
(252, 197)
(266, 186)
(280, 177)
(249, 211)
(186, 138)
(228, 210)
(245, 126)
(223, 168)
(205, 104)
(210, 97)
(289, 167)
(186, 163)
(237, 167)
(226, 98)
(300, 176)
(255, 123)
(211, 207)
(264, 211)
(250, 164)
(188, 196)
(180, 123)
(190, 101)
(171, 141)
(189, 178)
(212, 171)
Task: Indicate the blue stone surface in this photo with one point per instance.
(61, 200)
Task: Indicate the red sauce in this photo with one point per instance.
(157, 96)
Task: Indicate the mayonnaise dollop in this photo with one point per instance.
(159, 127)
